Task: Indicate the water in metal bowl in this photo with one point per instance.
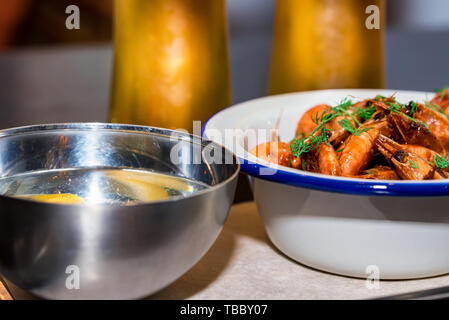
(98, 186)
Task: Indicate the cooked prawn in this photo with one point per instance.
(276, 152)
(378, 173)
(413, 132)
(309, 120)
(441, 99)
(359, 149)
(437, 123)
(328, 161)
(408, 165)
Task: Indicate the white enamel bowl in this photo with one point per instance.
(352, 227)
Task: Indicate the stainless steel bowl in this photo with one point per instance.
(118, 252)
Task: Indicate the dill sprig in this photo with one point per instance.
(345, 103)
(397, 108)
(359, 131)
(436, 108)
(303, 145)
(413, 107)
(380, 97)
(346, 124)
(441, 92)
(441, 162)
(365, 113)
(343, 109)
(332, 113)
(311, 143)
(413, 164)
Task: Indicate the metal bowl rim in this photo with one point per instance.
(124, 128)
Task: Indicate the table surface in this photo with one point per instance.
(243, 264)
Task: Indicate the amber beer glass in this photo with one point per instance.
(171, 62)
(320, 44)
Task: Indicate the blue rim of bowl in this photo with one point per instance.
(352, 186)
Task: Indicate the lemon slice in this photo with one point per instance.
(61, 198)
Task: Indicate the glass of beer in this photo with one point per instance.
(320, 44)
(171, 63)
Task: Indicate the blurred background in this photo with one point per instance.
(44, 65)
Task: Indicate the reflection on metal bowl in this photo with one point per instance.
(116, 251)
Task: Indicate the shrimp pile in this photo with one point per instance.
(378, 138)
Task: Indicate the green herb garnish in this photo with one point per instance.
(359, 131)
(413, 164)
(342, 109)
(346, 124)
(413, 107)
(380, 97)
(397, 109)
(436, 108)
(366, 113)
(345, 103)
(441, 162)
(311, 143)
(441, 92)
